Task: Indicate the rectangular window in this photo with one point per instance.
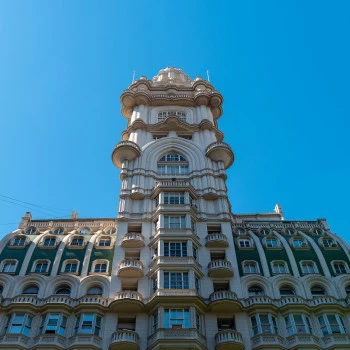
(9, 266)
(19, 324)
(327, 243)
(250, 268)
(308, 267)
(244, 243)
(298, 324)
(100, 268)
(174, 318)
(331, 324)
(49, 242)
(154, 322)
(194, 253)
(174, 221)
(176, 280)
(77, 241)
(88, 324)
(339, 268)
(175, 249)
(41, 267)
(19, 242)
(54, 323)
(70, 267)
(172, 169)
(104, 242)
(279, 268)
(196, 284)
(226, 323)
(174, 198)
(271, 243)
(264, 324)
(154, 284)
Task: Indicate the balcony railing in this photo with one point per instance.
(302, 340)
(182, 335)
(267, 340)
(130, 268)
(222, 295)
(228, 337)
(125, 336)
(133, 240)
(128, 294)
(216, 240)
(220, 268)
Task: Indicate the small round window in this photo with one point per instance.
(58, 231)
(264, 232)
(317, 232)
(289, 231)
(110, 231)
(85, 231)
(30, 230)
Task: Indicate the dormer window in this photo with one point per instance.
(30, 231)
(244, 243)
(272, 243)
(299, 243)
(329, 243)
(58, 231)
(19, 242)
(165, 114)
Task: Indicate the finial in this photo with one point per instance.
(208, 78)
(133, 77)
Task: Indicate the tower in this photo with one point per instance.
(173, 168)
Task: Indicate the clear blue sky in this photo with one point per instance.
(282, 66)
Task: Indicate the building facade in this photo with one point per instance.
(176, 269)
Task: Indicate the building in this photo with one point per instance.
(176, 269)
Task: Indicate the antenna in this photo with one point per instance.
(208, 78)
(133, 77)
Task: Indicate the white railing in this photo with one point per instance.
(228, 336)
(128, 294)
(214, 237)
(219, 264)
(133, 263)
(125, 335)
(224, 294)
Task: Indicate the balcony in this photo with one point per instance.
(267, 341)
(50, 341)
(297, 341)
(178, 338)
(124, 340)
(85, 341)
(127, 301)
(220, 151)
(137, 193)
(228, 340)
(172, 186)
(224, 301)
(125, 150)
(174, 261)
(130, 268)
(336, 341)
(216, 240)
(133, 240)
(14, 341)
(220, 269)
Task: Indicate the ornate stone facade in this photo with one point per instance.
(176, 269)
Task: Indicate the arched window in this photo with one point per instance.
(255, 290)
(347, 289)
(31, 289)
(95, 290)
(250, 267)
(172, 164)
(317, 291)
(63, 290)
(286, 290)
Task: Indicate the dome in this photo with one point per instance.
(172, 76)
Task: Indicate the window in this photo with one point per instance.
(104, 242)
(110, 231)
(244, 243)
(63, 290)
(264, 232)
(174, 198)
(339, 267)
(71, 267)
(157, 136)
(240, 231)
(53, 324)
(317, 232)
(154, 284)
(49, 242)
(272, 243)
(299, 243)
(194, 253)
(255, 290)
(30, 231)
(9, 266)
(19, 324)
(41, 267)
(226, 323)
(331, 323)
(84, 231)
(221, 286)
(286, 290)
(329, 243)
(58, 231)
(289, 231)
(264, 324)
(19, 242)
(176, 280)
(96, 290)
(198, 321)
(100, 267)
(250, 267)
(279, 267)
(308, 267)
(298, 324)
(347, 290)
(31, 290)
(180, 115)
(175, 249)
(77, 242)
(88, 324)
(174, 221)
(197, 284)
(172, 164)
(154, 322)
(317, 291)
(174, 318)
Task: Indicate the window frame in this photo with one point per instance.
(83, 323)
(24, 325)
(177, 317)
(98, 265)
(294, 327)
(9, 262)
(176, 280)
(326, 327)
(70, 262)
(43, 262)
(271, 324)
(305, 263)
(179, 251)
(60, 326)
(278, 271)
(249, 264)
